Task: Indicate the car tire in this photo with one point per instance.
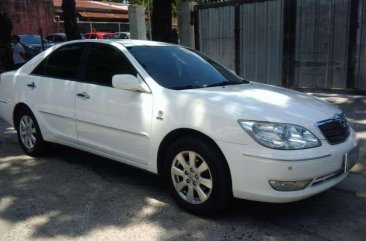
(203, 186)
(29, 133)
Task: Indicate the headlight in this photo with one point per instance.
(279, 135)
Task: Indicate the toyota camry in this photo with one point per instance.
(177, 113)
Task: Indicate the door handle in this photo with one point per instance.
(83, 95)
(31, 85)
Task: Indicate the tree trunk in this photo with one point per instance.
(70, 23)
(6, 56)
(161, 20)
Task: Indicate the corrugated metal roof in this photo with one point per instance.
(118, 16)
(93, 5)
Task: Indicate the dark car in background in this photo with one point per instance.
(32, 44)
(56, 37)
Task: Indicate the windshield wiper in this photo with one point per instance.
(186, 87)
(224, 83)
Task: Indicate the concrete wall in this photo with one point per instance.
(136, 17)
(186, 27)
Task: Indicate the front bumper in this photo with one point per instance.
(251, 169)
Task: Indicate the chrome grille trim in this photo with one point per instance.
(328, 177)
(335, 130)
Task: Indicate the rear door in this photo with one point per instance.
(110, 120)
(51, 90)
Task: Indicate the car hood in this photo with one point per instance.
(261, 102)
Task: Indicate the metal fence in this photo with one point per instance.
(322, 35)
(294, 43)
(360, 68)
(216, 34)
(261, 40)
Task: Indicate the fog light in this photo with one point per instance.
(289, 185)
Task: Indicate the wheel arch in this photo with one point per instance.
(17, 108)
(179, 133)
(21, 106)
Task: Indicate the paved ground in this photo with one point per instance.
(72, 195)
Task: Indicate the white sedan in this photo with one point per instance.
(173, 111)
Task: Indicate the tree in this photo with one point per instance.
(71, 25)
(161, 21)
(6, 27)
(162, 13)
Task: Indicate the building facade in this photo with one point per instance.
(46, 16)
(97, 16)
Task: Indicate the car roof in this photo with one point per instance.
(134, 42)
(124, 42)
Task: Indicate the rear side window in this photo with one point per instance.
(104, 61)
(62, 63)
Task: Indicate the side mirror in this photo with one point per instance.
(129, 82)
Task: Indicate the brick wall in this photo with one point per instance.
(28, 16)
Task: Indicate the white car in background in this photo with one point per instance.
(175, 112)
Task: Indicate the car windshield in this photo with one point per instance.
(178, 68)
(32, 39)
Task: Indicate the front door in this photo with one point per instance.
(110, 120)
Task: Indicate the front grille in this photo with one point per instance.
(335, 130)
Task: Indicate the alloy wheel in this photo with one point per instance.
(27, 131)
(191, 177)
